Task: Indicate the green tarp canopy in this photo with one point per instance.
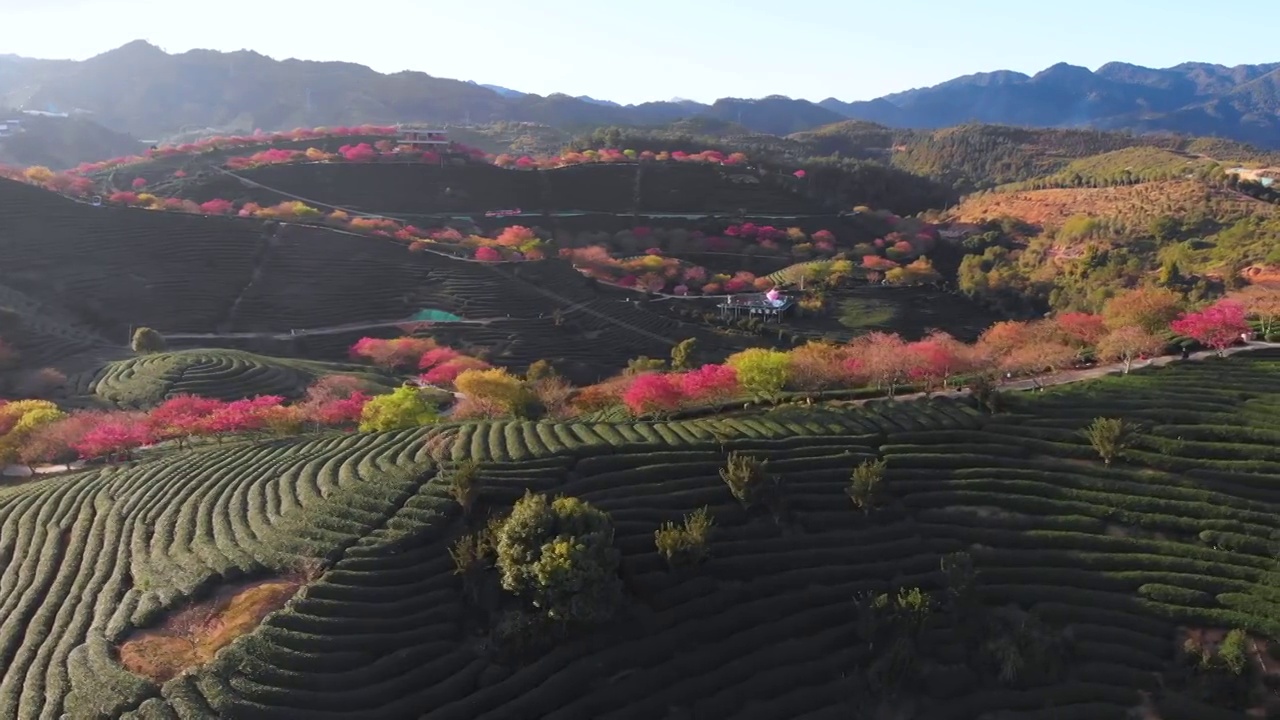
(435, 316)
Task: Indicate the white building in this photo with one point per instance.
(421, 137)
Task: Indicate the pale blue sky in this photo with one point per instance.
(659, 49)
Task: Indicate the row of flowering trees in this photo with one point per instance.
(1133, 326)
(438, 365)
(383, 150)
(483, 390)
(379, 151)
(615, 155)
(228, 142)
(36, 431)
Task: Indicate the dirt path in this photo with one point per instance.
(1090, 373)
(329, 330)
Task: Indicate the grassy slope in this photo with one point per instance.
(1136, 205)
(765, 629)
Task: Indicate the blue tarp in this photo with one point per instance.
(429, 315)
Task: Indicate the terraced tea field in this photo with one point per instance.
(1119, 561)
(80, 277)
(420, 189)
(148, 380)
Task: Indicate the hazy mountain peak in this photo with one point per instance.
(594, 101)
(503, 91)
(137, 48)
(140, 89)
(1063, 71)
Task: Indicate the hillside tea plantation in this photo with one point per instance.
(672, 423)
(150, 379)
(1086, 580)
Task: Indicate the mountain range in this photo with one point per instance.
(141, 90)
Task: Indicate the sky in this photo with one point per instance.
(659, 49)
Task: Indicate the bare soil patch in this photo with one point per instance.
(192, 635)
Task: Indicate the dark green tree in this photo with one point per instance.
(147, 341)
(559, 557)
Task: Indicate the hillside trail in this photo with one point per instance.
(326, 330)
(1064, 378)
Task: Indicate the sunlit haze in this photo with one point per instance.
(656, 50)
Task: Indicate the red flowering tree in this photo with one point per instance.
(875, 262)
(333, 401)
(138, 183)
(1217, 326)
(939, 358)
(182, 417)
(396, 354)
(821, 365)
(248, 415)
(488, 254)
(56, 442)
(362, 152)
(436, 357)
(1005, 337)
(709, 383)
(515, 236)
(652, 392)
(1081, 330)
(336, 412)
(115, 435)
(217, 207)
(884, 358)
(445, 373)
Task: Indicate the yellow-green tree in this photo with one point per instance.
(919, 272)
(18, 420)
(559, 556)
(407, 407)
(498, 386)
(760, 370)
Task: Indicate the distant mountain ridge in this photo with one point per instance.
(1241, 103)
(142, 90)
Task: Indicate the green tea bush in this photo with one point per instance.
(1110, 437)
(748, 480)
(686, 545)
(464, 484)
(865, 485)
